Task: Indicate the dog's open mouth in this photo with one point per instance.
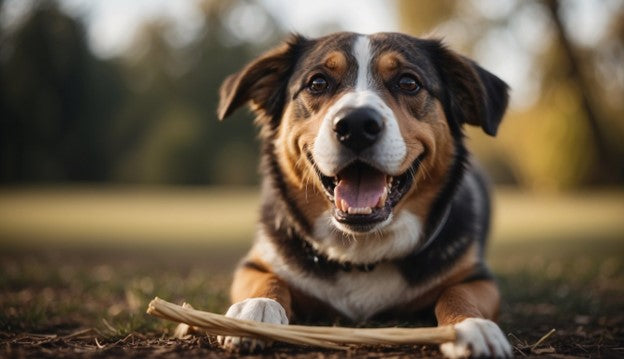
(363, 196)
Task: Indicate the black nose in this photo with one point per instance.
(358, 128)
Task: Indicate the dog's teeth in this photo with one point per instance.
(360, 210)
(383, 198)
(344, 206)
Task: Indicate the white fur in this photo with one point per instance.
(388, 153)
(478, 338)
(357, 295)
(264, 310)
(400, 236)
(362, 54)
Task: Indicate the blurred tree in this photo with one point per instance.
(54, 106)
(148, 116)
(607, 167)
(419, 18)
(570, 134)
(167, 130)
(229, 148)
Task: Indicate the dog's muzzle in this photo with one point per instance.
(362, 186)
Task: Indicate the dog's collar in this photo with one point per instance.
(320, 259)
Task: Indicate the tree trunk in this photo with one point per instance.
(607, 169)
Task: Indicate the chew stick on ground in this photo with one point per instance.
(326, 337)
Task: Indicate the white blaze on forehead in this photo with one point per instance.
(362, 53)
(390, 150)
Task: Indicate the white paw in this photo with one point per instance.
(477, 338)
(259, 309)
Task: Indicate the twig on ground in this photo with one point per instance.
(521, 345)
(80, 333)
(100, 346)
(542, 339)
(109, 326)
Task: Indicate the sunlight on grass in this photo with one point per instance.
(226, 215)
(128, 214)
(527, 215)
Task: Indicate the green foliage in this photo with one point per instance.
(52, 126)
(147, 117)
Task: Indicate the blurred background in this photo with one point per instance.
(108, 132)
(117, 99)
(125, 92)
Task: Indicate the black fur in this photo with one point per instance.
(462, 228)
(254, 266)
(473, 95)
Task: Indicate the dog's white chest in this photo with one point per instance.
(360, 295)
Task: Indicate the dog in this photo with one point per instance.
(371, 204)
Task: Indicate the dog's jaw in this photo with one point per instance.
(401, 235)
(348, 230)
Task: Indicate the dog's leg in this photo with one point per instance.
(470, 308)
(257, 295)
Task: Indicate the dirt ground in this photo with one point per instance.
(90, 302)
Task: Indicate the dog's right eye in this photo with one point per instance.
(318, 85)
(408, 84)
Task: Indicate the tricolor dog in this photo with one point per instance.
(372, 206)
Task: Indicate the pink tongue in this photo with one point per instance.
(360, 186)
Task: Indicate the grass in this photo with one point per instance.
(65, 284)
(121, 214)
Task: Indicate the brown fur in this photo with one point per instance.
(258, 281)
(476, 299)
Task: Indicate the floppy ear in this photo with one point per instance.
(473, 95)
(262, 82)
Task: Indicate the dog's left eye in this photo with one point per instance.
(408, 83)
(318, 85)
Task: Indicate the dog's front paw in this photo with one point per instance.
(477, 338)
(259, 309)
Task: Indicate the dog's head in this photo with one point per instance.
(372, 122)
